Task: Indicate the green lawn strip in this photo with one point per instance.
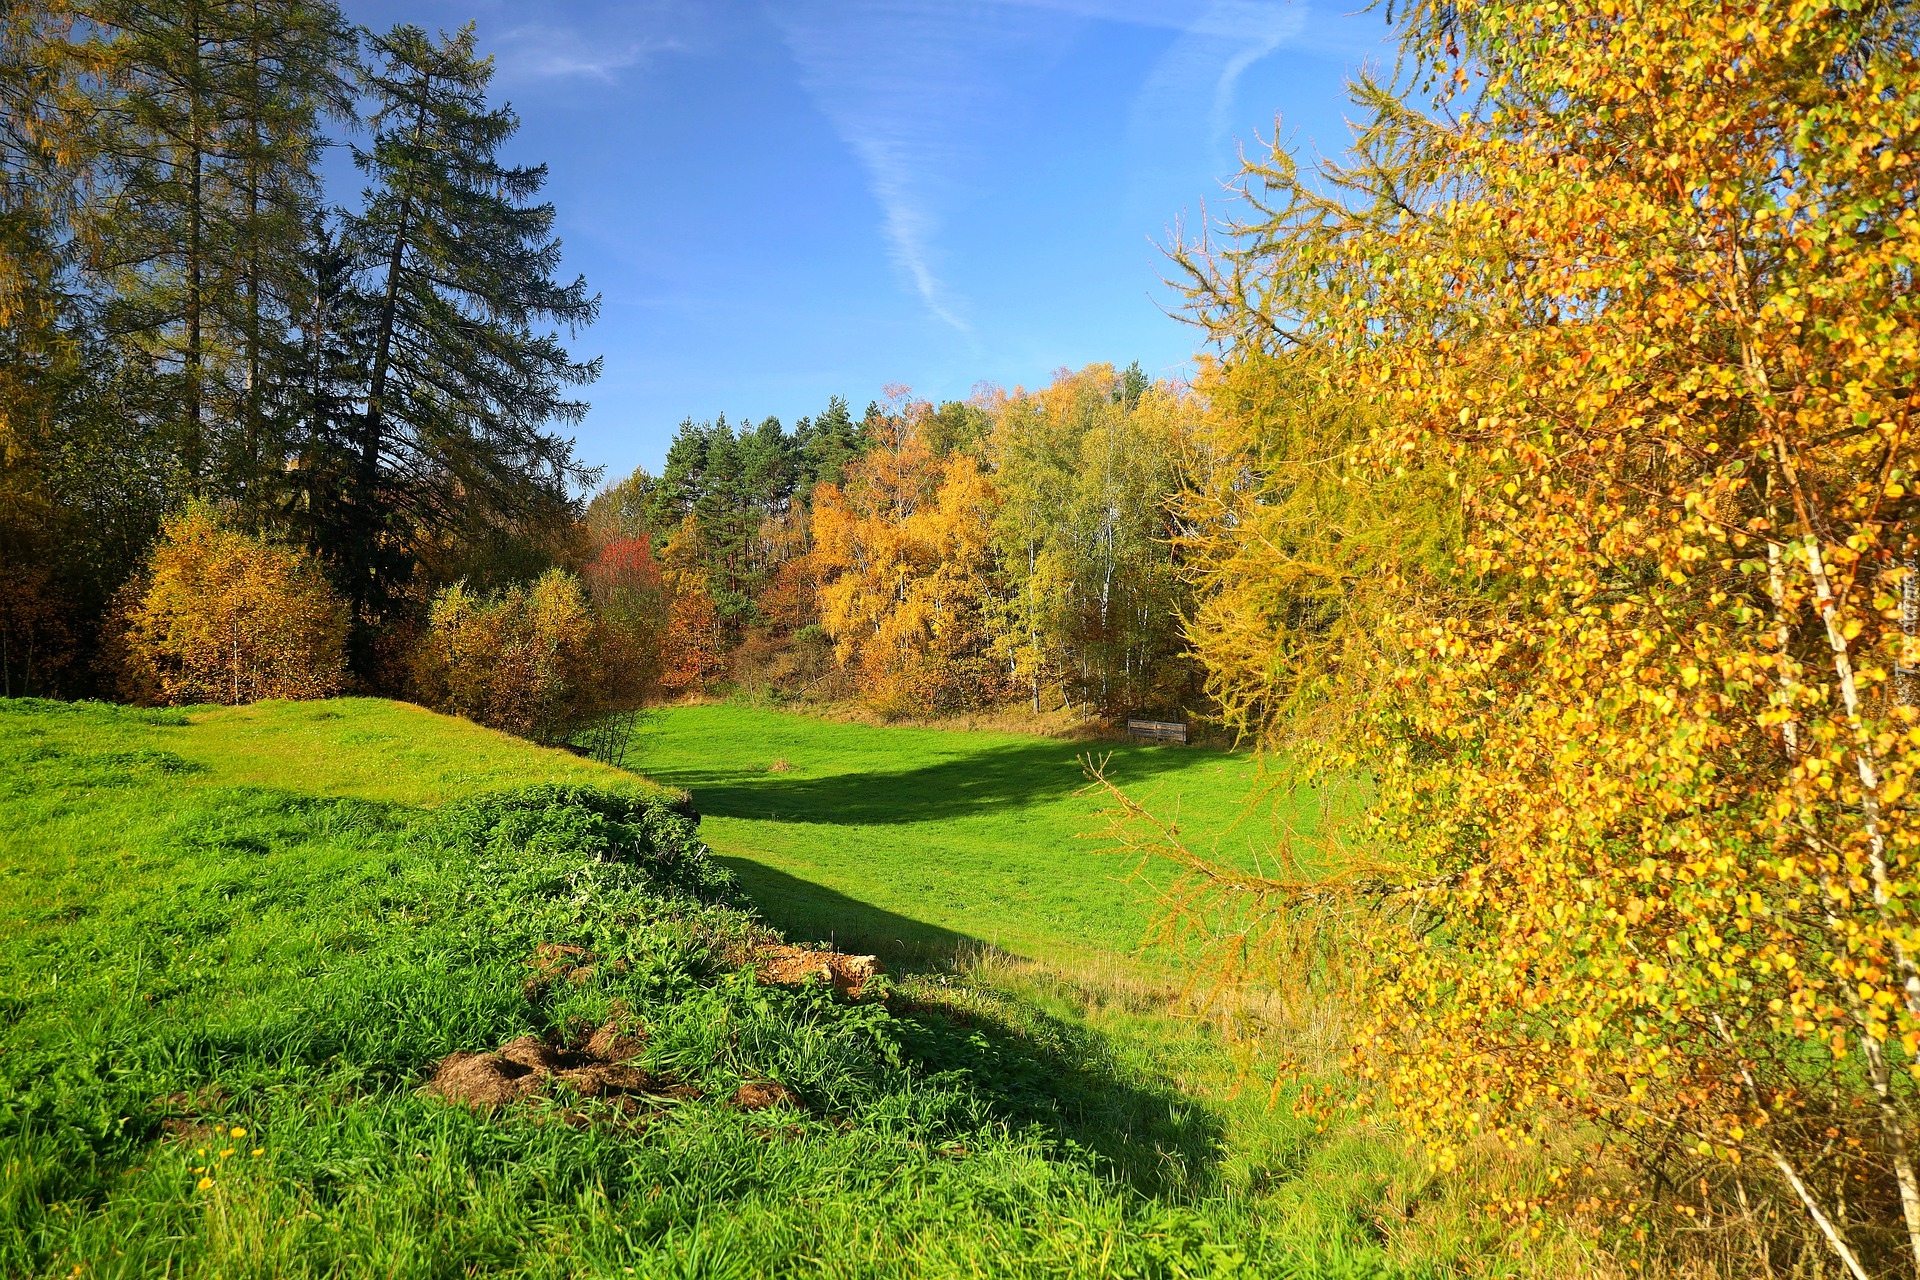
(276, 920)
(373, 749)
(918, 842)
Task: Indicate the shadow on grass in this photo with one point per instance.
(805, 911)
(1035, 1070)
(1007, 777)
(1032, 1069)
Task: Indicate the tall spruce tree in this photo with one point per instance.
(293, 62)
(455, 444)
(322, 399)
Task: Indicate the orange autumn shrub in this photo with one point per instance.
(219, 615)
(692, 647)
(531, 660)
(691, 655)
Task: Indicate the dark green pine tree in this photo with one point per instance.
(456, 449)
(721, 514)
(826, 445)
(326, 371)
(727, 482)
(293, 65)
(769, 467)
(673, 496)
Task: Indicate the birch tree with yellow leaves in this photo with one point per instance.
(903, 550)
(1632, 313)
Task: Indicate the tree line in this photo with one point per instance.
(1013, 547)
(186, 317)
(194, 324)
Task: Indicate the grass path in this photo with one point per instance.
(920, 843)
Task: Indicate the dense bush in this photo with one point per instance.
(535, 660)
(219, 615)
(629, 592)
(658, 835)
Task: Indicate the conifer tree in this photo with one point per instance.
(209, 116)
(320, 397)
(827, 444)
(292, 62)
(463, 385)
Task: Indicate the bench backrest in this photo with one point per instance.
(1159, 730)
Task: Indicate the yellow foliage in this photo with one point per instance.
(903, 552)
(531, 660)
(223, 616)
(692, 648)
(1646, 763)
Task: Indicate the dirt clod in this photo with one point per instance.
(614, 1045)
(192, 1115)
(796, 966)
(553, 962)
(529, 1067)
(481, 1079)
(759, 1095)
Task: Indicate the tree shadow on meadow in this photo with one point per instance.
(809, 912)
(1014, 776)
(1031, 1069)
(1034, 1070)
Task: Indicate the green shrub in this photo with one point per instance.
(657, 835)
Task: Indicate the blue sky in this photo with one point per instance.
(788, 200)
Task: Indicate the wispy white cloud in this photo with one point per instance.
(549, 52)
(915, 87)
(909, 85)
(1183, 117)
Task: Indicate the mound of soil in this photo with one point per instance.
(529, 1067)
(795, 966)
(553, 962)
(758, 1095)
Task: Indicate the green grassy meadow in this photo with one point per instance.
(236, 942)
(934, 842)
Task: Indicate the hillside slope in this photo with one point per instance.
(238, 945)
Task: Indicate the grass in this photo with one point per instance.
(926, 843)
(236, 942)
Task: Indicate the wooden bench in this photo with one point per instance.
(1158, 730)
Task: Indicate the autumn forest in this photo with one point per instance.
(1539, 515)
